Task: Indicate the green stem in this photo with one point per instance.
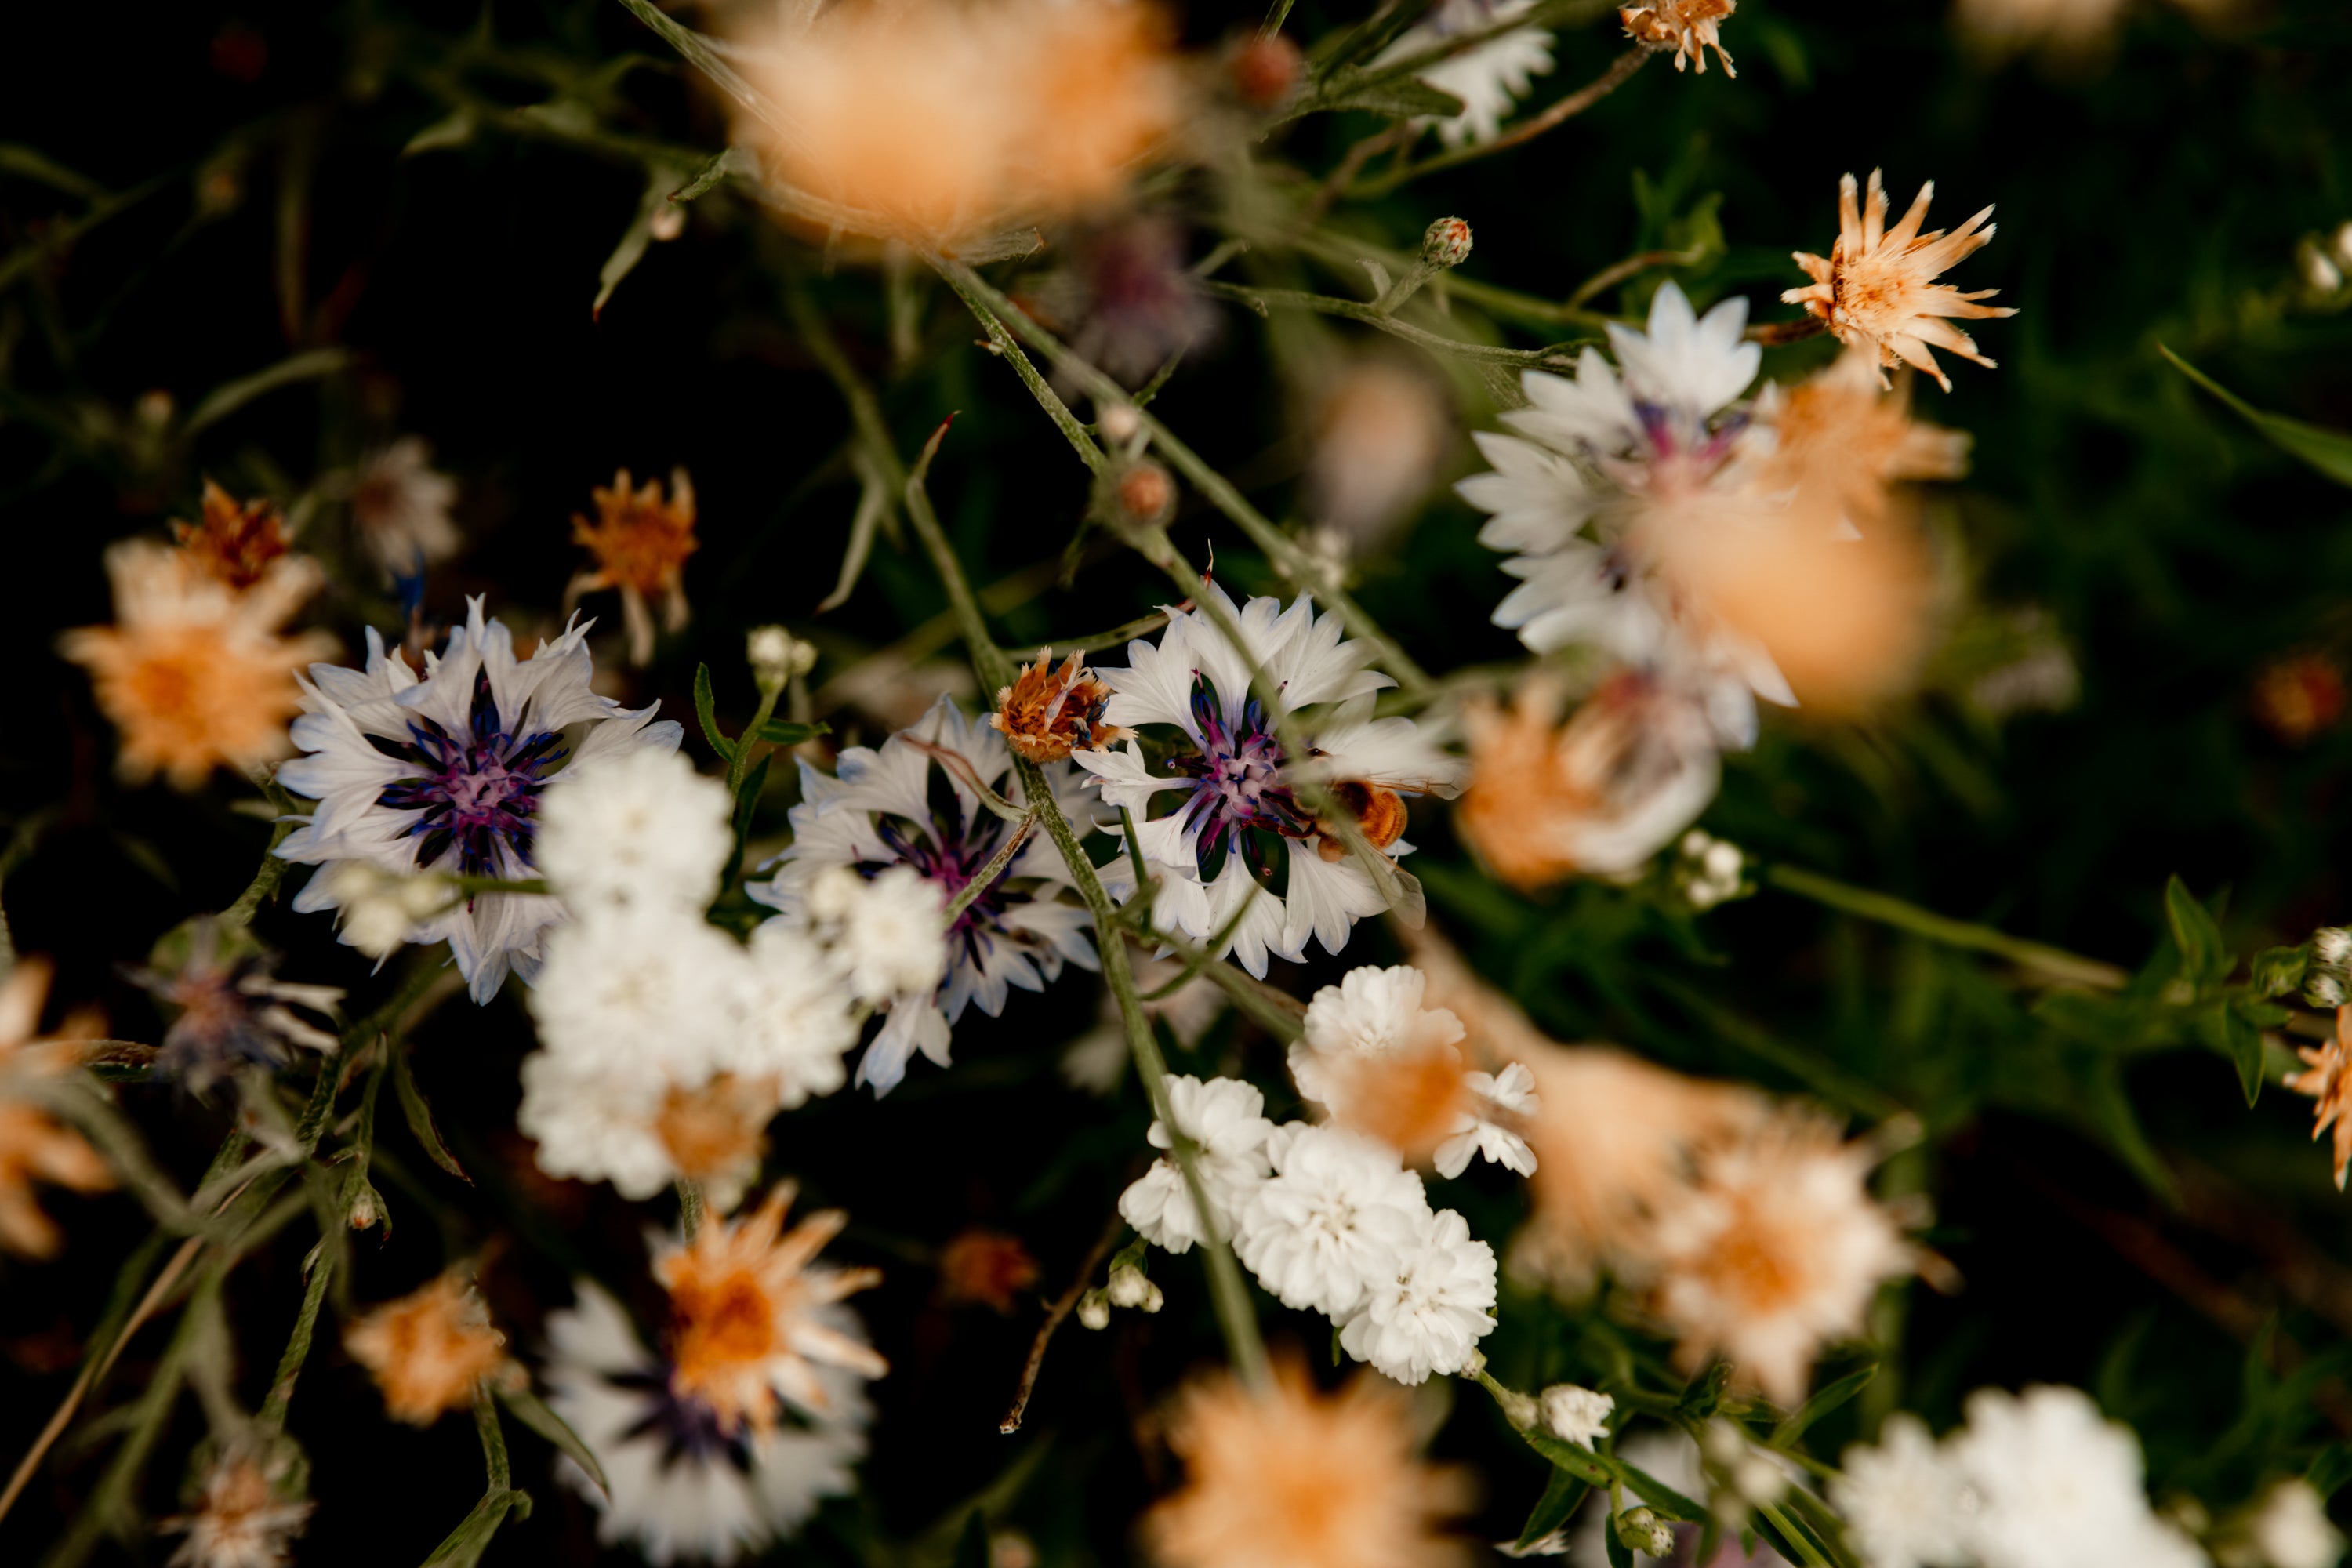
(494, 1437)
(1074, 429)
(298, 1344)
(1559, 356)
(998, 314)
(689, 1207)
(740, 764)
(1620, 70)
(2056, 963)
(988, 874)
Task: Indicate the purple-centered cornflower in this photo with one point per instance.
(912, 803)
(443, 773)
(1240, 853)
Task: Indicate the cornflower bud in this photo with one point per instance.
(1146, 493)
(1445, 243)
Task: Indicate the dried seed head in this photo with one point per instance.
(1047, 713)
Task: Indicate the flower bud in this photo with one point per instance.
(1638, 1530)
(365, 1214)
(667, 223)
(1146, 493)
(1128, 1286)
(2342, 244)
(1447, 243)
(1152, 1297)
(1093, 1310)
(1264, 70)
(776, 656)
(1575, 1414)
(2332, 946)
(1520, 1410)
(2320, 274)
(1119, 423)
(2324, 990)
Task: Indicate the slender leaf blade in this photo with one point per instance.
(705, 710)
(2329, 451)
(534, 1413)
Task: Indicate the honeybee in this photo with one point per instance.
(1378, 812)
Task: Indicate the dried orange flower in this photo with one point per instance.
(1774, 1250)
(427, 1349)
(1597, 797)
(986, 1267)
(1840, 436)
(1046, 714)
(746, 1319)
(2297, 697)
(1287, 1476)
(236, 540)
(1689, 27)
(242, 1520)
(34, 1145)
(717, 1133)
(2330, 1087)
(194, 673)
(640, 542)
(1874, 287)
(943, 124)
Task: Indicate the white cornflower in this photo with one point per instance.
(2059, 1486)
(1906, 1503)
(640, 829)
(685, 1484)
(400, 506)
(1498, 1100)
(654, 988)
(2291, 1529)
(912, 803)
(1574, 1414)
(1429, 1316)
(886, 933)
(1337, 1216)
(443, 774)
(1241, 829)
(1225, 1118)
(1490, 77)
(1603, 471)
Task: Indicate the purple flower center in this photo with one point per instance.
(951, 850)
(1237, 784)
(472, 791)
(687, 1428)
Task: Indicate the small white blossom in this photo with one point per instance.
(592, 1121)
(1093, 1313)
(1429, 1317)
(658, 989)
(1225, 1119)
(380, 907)
(1574, 1414)
(1335, 1219)
(1128, 1287)
(2291, 1531)
(887, 931)
(1497, 1099)
(1373, 1011)
(1906, 1503)
(642, 830)
(2060, 1486)
(401, 507)
(796, 1023)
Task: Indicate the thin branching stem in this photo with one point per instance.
(1620, 71)
(1556, 356)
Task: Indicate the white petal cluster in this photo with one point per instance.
(2038, 1479)
(712, 1501)
(2291, 1530)
(906, 820)
(1197, 681)
(1597, 466)
(395, 759)
(1374, 1013)
(1576, 1415)
(1490, 78)
(1329, 1221)
(640, 998)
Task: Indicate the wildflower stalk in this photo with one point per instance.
(272, 869)
(1228, 1292)
(997, 314)
(689, 1207)
(298, 1344)
(1555, 356)
(2055, 963)
(988, 874)
(1621, 70)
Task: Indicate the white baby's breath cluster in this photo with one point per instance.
(1329, 1220)
(2037, 1479)
(1710, 870)
(644, 1005)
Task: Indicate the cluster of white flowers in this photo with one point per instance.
(2038, 1479)
(642, 1005)
(1710, 870)
(1327, 1220)
(1375, 1015)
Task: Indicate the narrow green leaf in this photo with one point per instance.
(731, 161)
(30, 162)
(782, 733)
(1402, 98)
(462, 1546)
(230, 396)
(2329, 451)
(453, 130)
(2203, 958)
(705, 709)
(1619, 1556)
(972, 1549)
(1822, 1404)
(532, 1411)
(2245, 1045)
(2330, 1470)
(1582, 1462)
(1703, 1395)
(1561, 1495)
(1667, 1502)
(419, 1115)
(661, 180)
